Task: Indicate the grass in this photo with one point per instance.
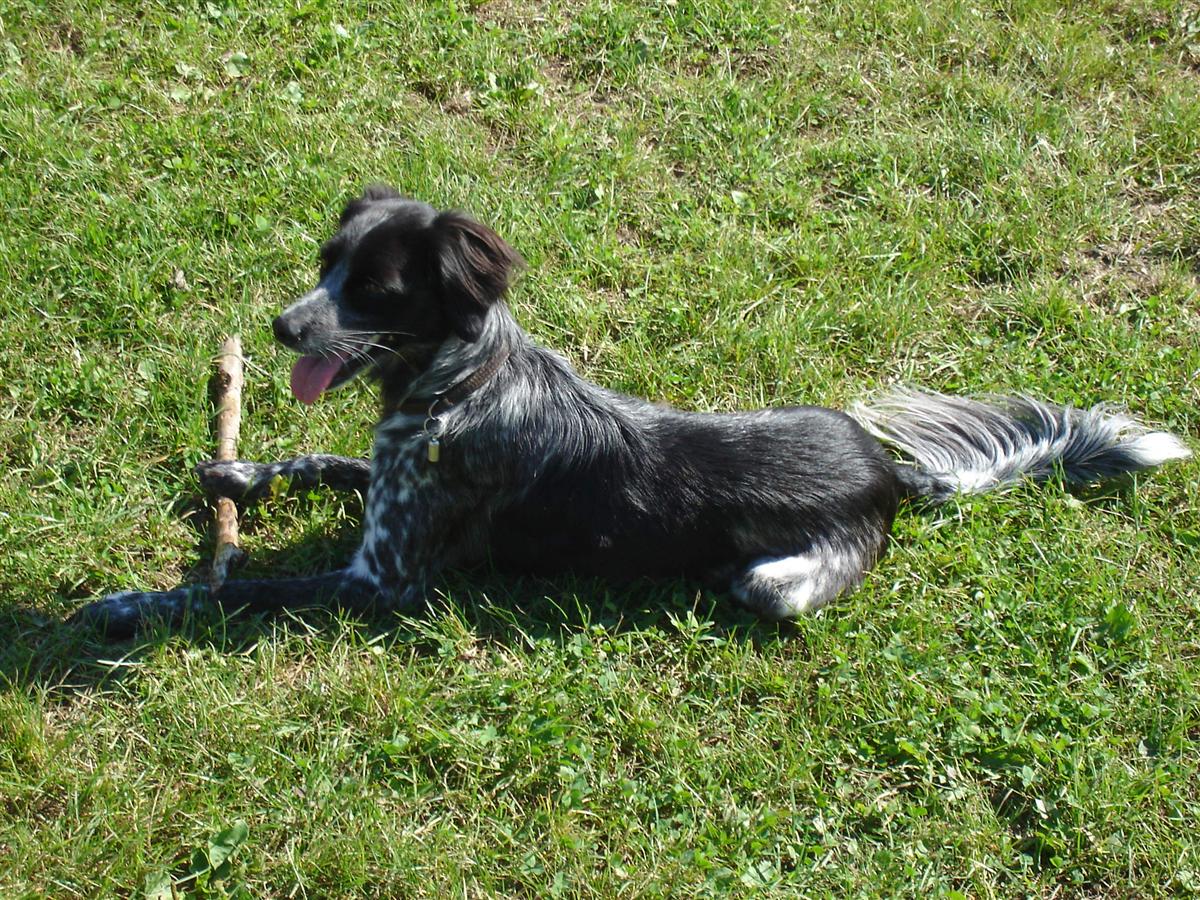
(724, 204)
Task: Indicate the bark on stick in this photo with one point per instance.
(228, 380)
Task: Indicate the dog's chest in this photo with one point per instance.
(400, 469)
(397, 478)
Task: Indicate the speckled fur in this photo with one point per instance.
(543, 471)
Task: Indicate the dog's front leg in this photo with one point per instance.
(249, 481)
(405, 544)
(122, 614)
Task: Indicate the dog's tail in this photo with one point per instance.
(966, 446)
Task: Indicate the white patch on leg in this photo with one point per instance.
(362, 570)
(230, 476)
(243, 473)
(787, 586)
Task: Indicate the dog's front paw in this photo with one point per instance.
(236, 479)
(413, 596)
(122, 614)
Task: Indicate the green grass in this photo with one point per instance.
(724, 204)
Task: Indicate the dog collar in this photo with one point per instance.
(442, 401)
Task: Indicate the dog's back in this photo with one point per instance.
(673, 493)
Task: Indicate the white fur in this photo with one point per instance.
(1158, 447)
(970, 446)
(242, 474)
(788, 586)
(329, 287)
(359, 568)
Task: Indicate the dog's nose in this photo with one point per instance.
(286, 332)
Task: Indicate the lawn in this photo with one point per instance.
(723, 204)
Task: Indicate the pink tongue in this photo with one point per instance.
(312, 374)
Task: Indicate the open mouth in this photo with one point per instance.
(313, 375)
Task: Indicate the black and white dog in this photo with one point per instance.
(490, 447)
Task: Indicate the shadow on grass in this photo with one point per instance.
(39, 649)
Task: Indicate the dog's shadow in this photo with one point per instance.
(38, 649)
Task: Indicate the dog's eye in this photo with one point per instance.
(371, 298)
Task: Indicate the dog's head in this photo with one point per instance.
(397, 275)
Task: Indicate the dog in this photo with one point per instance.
(490, 447)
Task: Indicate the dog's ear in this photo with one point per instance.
(380, 191)
(370, 193)
(474, 266)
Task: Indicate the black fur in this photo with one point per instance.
(543, 471)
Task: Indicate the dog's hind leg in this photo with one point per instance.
(249, 481)
(782, 587)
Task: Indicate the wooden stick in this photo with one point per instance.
(228, 381)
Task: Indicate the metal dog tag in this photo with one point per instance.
(433, 428)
